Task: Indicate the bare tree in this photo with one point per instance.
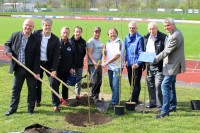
(13, 3)
(1, 4)
(78, 4)
(108, 4)
(93, 3)
(63, 2)
(190, 4)
(130, 4)
(55, 4)
(49, 2)
(117, 3)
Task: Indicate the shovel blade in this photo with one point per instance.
(102, 106)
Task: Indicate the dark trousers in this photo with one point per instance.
(39, 84)
(136, 86)
(96, 80)
(56, 84)
(19, 76)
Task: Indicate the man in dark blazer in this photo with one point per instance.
(49, 55)
(173, 63)
(26, 48)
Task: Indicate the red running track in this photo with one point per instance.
(192, 74)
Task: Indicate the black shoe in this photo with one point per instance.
(30, 112)
(151, 106)
(162, 115)
(172, 110)
(10, 112)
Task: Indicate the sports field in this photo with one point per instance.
(184, 120)
(190, 31)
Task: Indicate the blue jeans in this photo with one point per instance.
(114, 84)
(79, 72)
(169, 93)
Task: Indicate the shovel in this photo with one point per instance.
(78, 96)
(26, 68)
(102, 106)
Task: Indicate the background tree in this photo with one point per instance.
(117, 3)
(13, 3)
(1, 4)
(63, 3)
(190, 4)
(108, 4)
(55, 4)
(93, 3)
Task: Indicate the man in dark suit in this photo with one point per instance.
(23, 46)
(49, 55)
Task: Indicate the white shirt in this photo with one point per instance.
(112, 49)
(150, 44)
(43, 47)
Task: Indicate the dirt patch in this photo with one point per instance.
(82, 101)
(82, 119)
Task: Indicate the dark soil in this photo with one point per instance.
(82, 101)
(41, 130)
(82, 119)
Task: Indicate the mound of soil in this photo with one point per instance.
(82, 119)
(82, 101)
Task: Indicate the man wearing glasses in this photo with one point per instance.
(134, 45)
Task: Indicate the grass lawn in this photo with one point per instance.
(190, 31)
(184, 120)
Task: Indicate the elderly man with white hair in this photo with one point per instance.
(154, 42)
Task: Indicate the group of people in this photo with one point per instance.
(65, 56)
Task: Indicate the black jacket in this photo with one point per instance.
(159, 46)
(32, 51)
(53, 49)
(80, 49)
(67, 56)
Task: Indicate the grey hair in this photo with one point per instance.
(153, 23)
(65, 27)
(47, 20)
(169, 20)
(132, 22)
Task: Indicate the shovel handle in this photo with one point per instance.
(26, 68)
(78, 96)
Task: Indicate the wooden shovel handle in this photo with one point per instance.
(26, 68)
(78, 96)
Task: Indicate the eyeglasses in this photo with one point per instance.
(166, 25)
(133, 28)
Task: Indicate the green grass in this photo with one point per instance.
(116, 14)
(184, 120)
(190, 31)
